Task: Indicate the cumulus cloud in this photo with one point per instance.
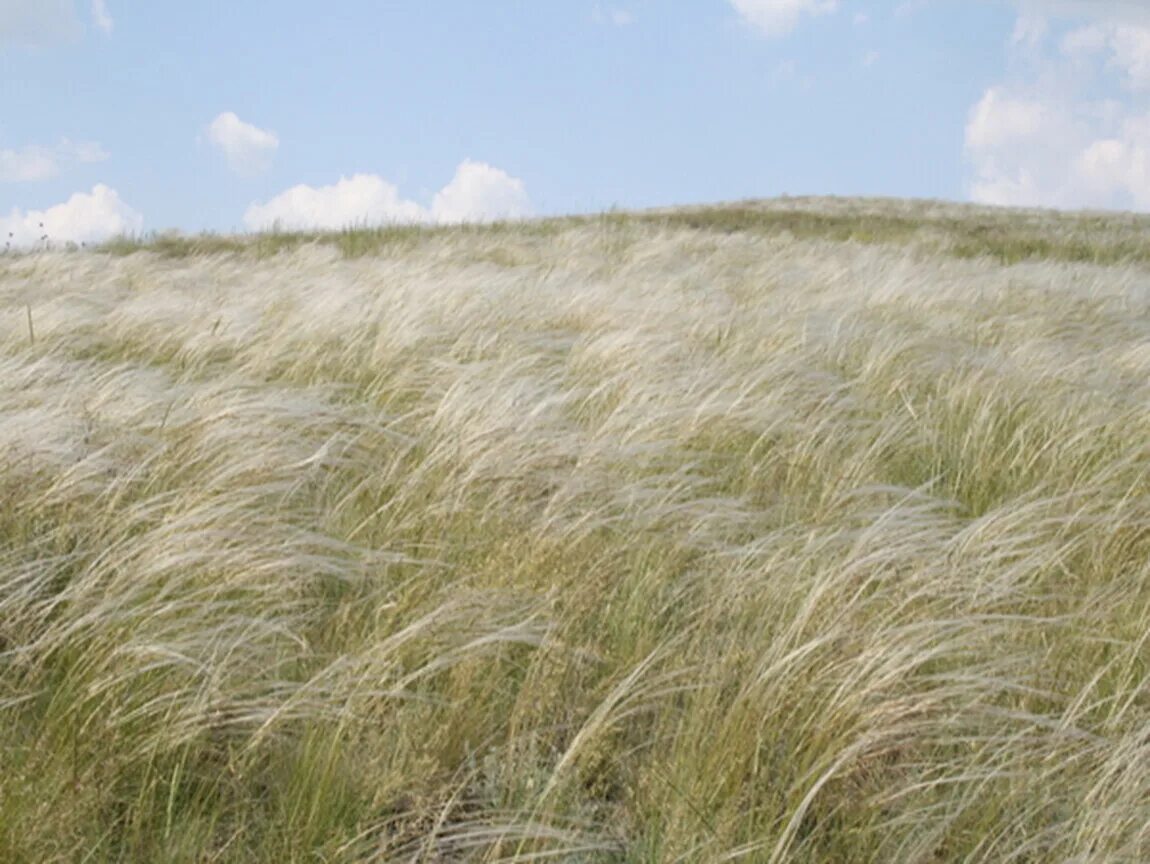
(1009, 142)
(83, 218)
(361, 199)
(101, 17)
(1043, 151)
(1000, 119)
(35, 23)
(1123, 47)
(247, 149)
(477, 192)
(1056, 135)
(774, 18)
(32, 163)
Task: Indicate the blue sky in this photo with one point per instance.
(134, 117)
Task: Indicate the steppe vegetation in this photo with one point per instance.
(793, 531)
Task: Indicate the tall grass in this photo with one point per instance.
(615, 540)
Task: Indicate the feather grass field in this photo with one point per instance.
(800, 531)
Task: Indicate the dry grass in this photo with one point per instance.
(703, 535)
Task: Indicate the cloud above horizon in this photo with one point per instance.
(478, 192)
(83, 218)
(33, 163)
(776, 18)
(247, 149)
(1071, 128)
(101, 17)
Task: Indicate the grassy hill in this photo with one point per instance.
(807, 530)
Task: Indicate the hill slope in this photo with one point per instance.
(808, 530)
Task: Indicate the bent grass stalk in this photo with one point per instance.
(757, 534)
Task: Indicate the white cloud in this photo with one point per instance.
(27, 165)
(1000, 119)
(870, 58)
(1040, 151)
(248, 149)
(1124, 47)
(1009, 144)
(35, 23)
(477, 192)
(101, 17)
(774, 18)
(1113, 166)
(1130, 55)
(1057, 134)
(361, 199)
(1084, 42)
(83, 218)
(32, 163)
(1029, 30)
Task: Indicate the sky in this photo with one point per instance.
(129, 117)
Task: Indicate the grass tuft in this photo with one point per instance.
(813, 530)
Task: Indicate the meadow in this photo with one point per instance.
(809, 530)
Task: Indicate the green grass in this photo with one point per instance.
(785, 531)
(1008, 237)
(351, 242)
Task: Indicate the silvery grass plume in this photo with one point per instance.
(798, 532)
